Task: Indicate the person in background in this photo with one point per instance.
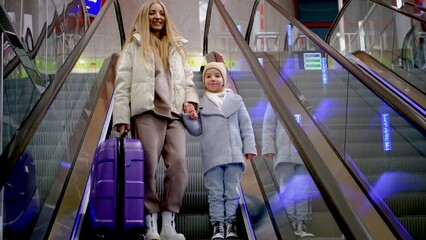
(153, 84)
(290, 171)
(227, 140)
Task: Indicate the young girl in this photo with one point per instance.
(227, 140)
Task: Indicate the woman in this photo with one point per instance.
(153, 84)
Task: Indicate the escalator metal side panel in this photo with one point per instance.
(85, 141)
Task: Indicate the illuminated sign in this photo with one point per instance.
(289, 36)
(386, 133)
(298, 118)
(324, 72)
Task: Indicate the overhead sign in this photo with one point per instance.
(312, 61)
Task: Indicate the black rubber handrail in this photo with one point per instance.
(415, 99)
(207, 28)
(415, 6)
(251, 21)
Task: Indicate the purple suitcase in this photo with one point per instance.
(117, 191)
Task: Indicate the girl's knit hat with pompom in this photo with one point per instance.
(219, 66)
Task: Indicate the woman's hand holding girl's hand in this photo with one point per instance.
(189, 108)
(193, 115)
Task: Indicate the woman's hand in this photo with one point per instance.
(122, 128)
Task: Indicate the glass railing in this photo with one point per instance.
(299, 188)
(49, 156)
(393, 37)
(50, 30)
(382, 147)
(244, 82)
(30, 64)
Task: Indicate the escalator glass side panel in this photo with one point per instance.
(19, 98)
(20, 93)
(48, 30)
(104, 42)
(57, 138)
(374, 140)
(392, 38)
(65, 29)
(291, 185)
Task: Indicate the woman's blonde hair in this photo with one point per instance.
(150, 44)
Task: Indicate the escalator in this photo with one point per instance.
(340, 119)
(379, 141)
(62, 146)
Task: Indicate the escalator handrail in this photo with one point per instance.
(207, 28)
(120, 23)
(414, 104)
(421, 8)
(24, 134)
(251, 21)
(336, 22)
